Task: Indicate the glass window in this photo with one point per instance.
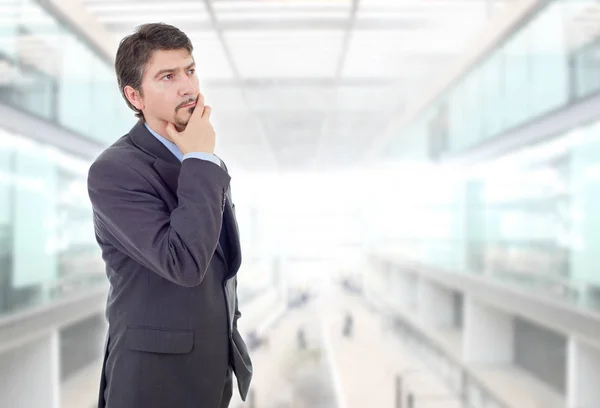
(549, 70)
(457, 118)
(46, 249)
(34, 218)
(585, 240)
(6, 207)
(517, 101)
(473, 110)
(31, 60)
(103, 110)
(8, 29)
(586, 67)
(491, 88)
(48, 71)
(75, 92)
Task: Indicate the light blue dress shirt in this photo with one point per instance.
(175, 150)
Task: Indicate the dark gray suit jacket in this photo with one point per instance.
(172, 306)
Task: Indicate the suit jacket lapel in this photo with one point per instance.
(230, 223)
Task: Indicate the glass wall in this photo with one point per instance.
(47, 248)
(552, 60)
(528, 219)
(47, 70)
(522, 229)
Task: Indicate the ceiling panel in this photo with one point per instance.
(107, 7)
(280, 5)
(211, 60)
(294, 138)
(370, 98)
(285, 54)
(139, 13)
(289, 98)
(285, 103)
(236, 127)
(346, 136)
(400, 54)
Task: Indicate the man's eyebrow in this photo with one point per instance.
(171, 70)
(164, 71)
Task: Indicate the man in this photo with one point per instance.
(165, 222)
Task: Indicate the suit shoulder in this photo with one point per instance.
(124, 151)
(118, 151)
(121, 156)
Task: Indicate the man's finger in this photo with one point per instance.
(171, 131)
(198, 110)
(206, 113)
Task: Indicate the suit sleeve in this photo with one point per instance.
(177, 246)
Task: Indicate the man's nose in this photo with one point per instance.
(186, 86)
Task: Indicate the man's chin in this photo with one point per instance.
(180, 126)
(181, 123)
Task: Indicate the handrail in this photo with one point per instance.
(467, 376)
(556, 314)
(28, 324)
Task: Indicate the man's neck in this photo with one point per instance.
(159, 126)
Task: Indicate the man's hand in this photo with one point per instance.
(198, 136)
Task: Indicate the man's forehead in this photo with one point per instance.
(170, 59)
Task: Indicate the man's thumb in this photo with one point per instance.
(172, 132)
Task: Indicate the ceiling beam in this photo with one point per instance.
(346, 41)
(214, 25)
(303, 82)
(238, 79)
(348, 30)
(84, 24)
(400, 24)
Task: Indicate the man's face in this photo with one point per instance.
(170, 87)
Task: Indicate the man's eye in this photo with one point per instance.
(192, 71)
(168, 76)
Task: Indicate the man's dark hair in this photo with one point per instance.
(136, 49)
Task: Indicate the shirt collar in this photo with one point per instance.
(168, 144)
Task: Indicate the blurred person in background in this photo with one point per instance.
(166, 226)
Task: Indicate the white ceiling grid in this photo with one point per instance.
(304, 85)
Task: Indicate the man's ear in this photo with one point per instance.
(134, 97)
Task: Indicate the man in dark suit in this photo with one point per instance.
(166, 225)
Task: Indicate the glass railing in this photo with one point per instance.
(528, 220)
(46, 70)
(47, 245)
(462, 384)
(548, 62)
(468, 389)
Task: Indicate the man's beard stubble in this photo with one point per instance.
(182, 123)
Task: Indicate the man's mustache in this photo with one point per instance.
(186, 102)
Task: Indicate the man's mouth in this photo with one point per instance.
(189, 105)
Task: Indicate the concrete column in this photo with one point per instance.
(488, 335)
(412, 284)
(435, 304)
(372, 278)
(30, 374)
(405, 289)
(583, 375)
